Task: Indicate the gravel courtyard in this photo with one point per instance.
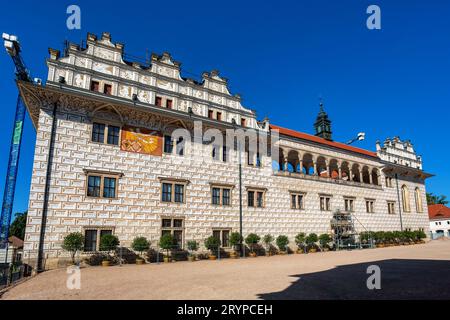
(407, 272)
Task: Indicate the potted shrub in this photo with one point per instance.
(166, 243)
(311, 240)
(108, 243)
(72, 243)
(267, 240)
(140, 244)
(300, 242)
(282, 242)
(252, 241)
(212, 244)
(235, 241)
(324, 240)
(379, 238)
(192, 247)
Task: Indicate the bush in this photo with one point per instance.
(282, 242)
(235, 239)
(268, 239)
(109, 242)
(212, 243)
(140, 244)
(192, 246)
(252, 240)
(324, 240)
(311, 239)
(300, 240)
(73, 242)
(166, 242)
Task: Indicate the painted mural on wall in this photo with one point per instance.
(141, 140)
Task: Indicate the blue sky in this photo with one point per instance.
(281, 56)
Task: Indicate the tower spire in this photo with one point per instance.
(323, 124)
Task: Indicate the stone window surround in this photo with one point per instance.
(351, 204)
(256, 190)
(230, 230)
(172, 228)
(391, 203)
(102, 175)
(297, 193)
(106, 123)
(222, 186)
(98, 229)
(173, 181)
(373, 204)
(325, 196)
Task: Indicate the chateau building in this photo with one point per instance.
(107, 160)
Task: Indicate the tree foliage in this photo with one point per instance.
(434, 199)
(72, 243)
(17, 228)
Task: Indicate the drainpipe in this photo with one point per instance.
(399, 206)
(39, 263)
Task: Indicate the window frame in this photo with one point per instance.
(326, 202)
(172, 228)
(221, 236)
(221, 188)
(98, 230)
(389, 204)
(297, 195)
(102, 175)
(256, 191)
(351, 204)
(173, 183)
(370, 205)
(106, 132)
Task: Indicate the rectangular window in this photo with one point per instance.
(243, 122)
(224, 154)
(297, 201)
(176, 229)
(370, 206)
(325, 203)
(168, 144)
(107, 89)
(226, 197)
(179, 193)
(94, 185)
(223, 236)
(210, 114)
(109, 187)
(348, 204)
(169, 104)
(216, 196)
(90, 240)
(391, 207)
(98, 132)
(251, 198)
(158, 101)
(180, 146)
(219, 116)
(95, 86)
(113, 135)
(101, 186)
(250, 158)
(259, 199)
(167, 192)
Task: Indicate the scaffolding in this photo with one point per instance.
(344, 232)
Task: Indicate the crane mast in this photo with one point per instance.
(12, 47)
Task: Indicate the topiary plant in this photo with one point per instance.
(300, 240)
(311, 240)
(252, 240)
(140, 244)
(268, 239)
(109, 242)
(282, 242)
(213, 244)
(235, 239)
(166, 242)
(192, 246)
(324, 240)
(73, 242)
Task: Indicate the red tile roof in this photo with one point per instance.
(339, 145)
(438, 211)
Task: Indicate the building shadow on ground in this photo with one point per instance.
(400, 279)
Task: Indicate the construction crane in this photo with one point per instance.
(12, 46)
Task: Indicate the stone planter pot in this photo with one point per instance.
(212, 257)
(191, 258)
(166, 259)
(140, 261)
(106, 263)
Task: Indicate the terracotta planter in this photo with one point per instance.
(105, 263)
(312, 250)
(191, 258)
(253, 254)
(234, 255)
(166, 259)
(140, 261)
(300, 251)
(212, 257)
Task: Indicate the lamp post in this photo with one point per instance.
(241, 247)
(359, 137)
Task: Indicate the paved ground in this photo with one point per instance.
(407, 272)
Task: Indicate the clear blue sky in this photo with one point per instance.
(280, 56)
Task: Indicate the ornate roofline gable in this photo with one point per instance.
(164, 65)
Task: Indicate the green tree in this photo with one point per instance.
(282, 242)
(140, 244)
(252, 240)
(17, 228)
(73, 242)
(434, 199)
